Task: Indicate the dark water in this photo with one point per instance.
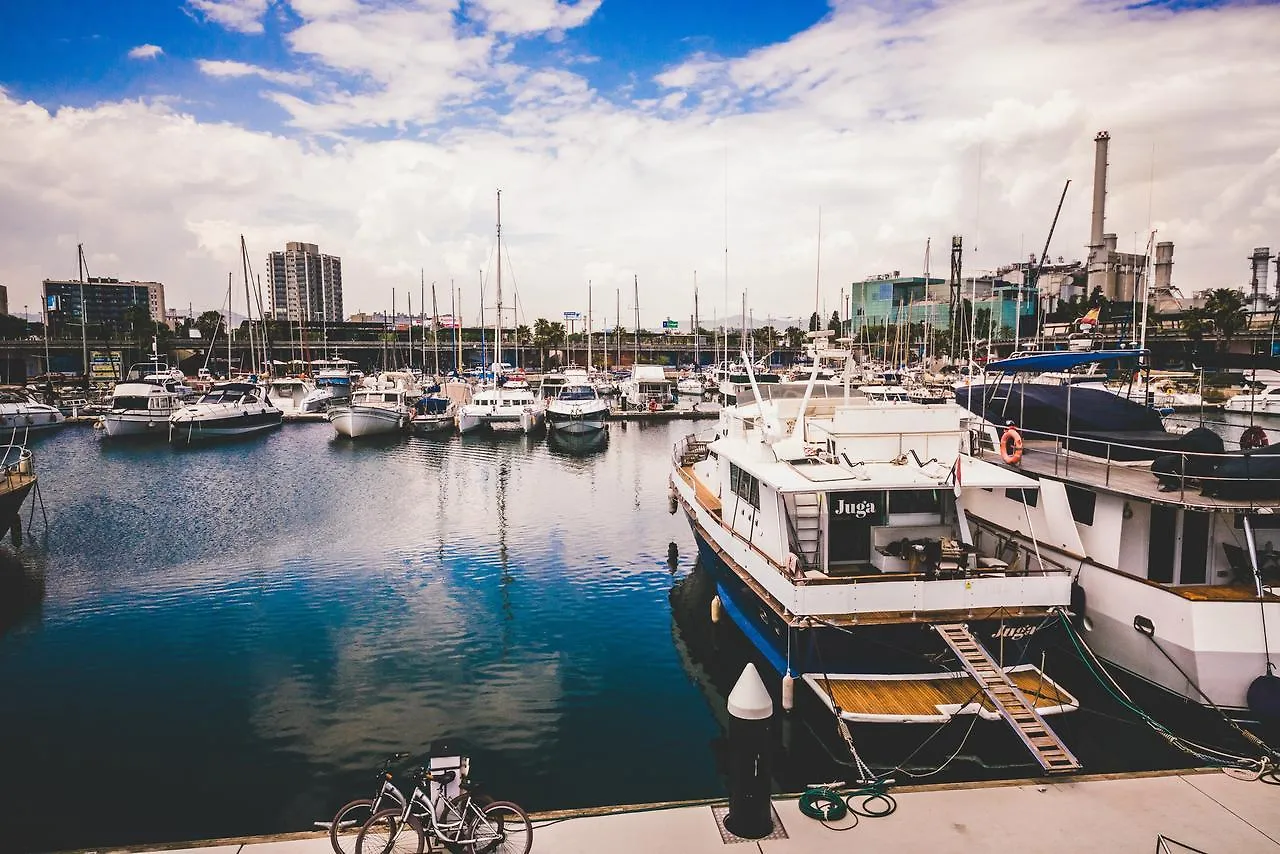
(226, 640)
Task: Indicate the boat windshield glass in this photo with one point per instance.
(224, 396)
(578, 392)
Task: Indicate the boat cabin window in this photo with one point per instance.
(745, 486)
(915, 502)
(1030, 496)
(1162, 543)
(851, 517)
(580, 392)
(130, 402)
(1082, 503)
(390, 397)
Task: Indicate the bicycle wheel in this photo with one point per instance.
(346, 825)
(505, 829)
(385, 833)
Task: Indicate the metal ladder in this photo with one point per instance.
(807, 525)
(1049, 750)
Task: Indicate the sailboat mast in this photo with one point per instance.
(248, 306)
(636, 282)
(409, 297)
(228, 325)
(422, 319)
(84, 316)
(589, 363)
(435, 332)
(697, 360)
(497, 323)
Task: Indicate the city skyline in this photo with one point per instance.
(629, 139)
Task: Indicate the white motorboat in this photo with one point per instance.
(142, 404)
(648, 388)
(503, 409)
(1261, 398)
(437, 412)
(385, 406)
(288, 393)
(578, 408)
(20, 411)
(691, 384)
(332, 385)
(835, 529)
(1171, 538)
(227, 409)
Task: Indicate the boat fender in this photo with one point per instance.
(1011, 446)
(1254, 437)
(716, 609)
(1079, 601)
(788, 692)
(1263, 696)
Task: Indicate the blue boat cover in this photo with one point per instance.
(1058, 360)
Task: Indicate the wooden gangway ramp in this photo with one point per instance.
(1049, 750)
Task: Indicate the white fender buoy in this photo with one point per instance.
(788, 692)
(716, 609)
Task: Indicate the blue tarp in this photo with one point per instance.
(1058, 360)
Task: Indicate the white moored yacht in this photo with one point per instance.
(578, 408)
(835, 528)
(21, 412)
(142, 403)
(1171, 538)
(385, 407)
(332, 385)
(502, 409)
(227, 409)
(288, 393)
(648, 388)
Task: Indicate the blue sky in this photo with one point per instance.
(630, 137)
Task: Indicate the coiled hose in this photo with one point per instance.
(828, 803)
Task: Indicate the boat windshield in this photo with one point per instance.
(578, 392)
(226, 395)
(128, 402)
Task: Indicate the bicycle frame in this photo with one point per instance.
(461, 823)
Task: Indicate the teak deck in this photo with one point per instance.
(935, 697)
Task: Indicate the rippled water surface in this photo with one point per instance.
(225, 640)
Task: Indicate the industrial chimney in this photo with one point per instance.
(1164, 266)
(1258, 281)
(1097, 247)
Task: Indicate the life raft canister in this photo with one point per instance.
(1254, 437)
(1011, 446)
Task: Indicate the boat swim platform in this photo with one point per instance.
(932, 698)
(1201, 808)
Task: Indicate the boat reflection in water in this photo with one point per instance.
(578, 444)
(21, 589)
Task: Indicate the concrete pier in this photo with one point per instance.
(1206, 810)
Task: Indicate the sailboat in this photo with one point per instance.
(499, 407)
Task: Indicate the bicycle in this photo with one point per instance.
(501, 827)
(353, 816)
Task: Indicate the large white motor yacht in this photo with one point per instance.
(21, 412)
(578, 408)
(503, 409)
(227, 409)
(288, 393)
(332, 385)
(648, 388)
(143, 402)
(384, 405)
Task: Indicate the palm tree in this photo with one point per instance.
(1225, 307)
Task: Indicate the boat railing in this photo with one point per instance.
(692, 449)
(1188, 465)
(16, 463)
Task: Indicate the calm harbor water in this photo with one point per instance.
(226, 640)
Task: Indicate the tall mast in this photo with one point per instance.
(248, 307)
(84, 316)
(636, 282)
(229, 325)
(497, 323)
(697, 361)
(588, 325)
(435, 332)
(409, 297)
(617, 324)
(422, 320)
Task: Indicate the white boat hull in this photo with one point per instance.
(526, 420)
(357, 421)
(134, 424)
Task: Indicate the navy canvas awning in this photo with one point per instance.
(1059, 360)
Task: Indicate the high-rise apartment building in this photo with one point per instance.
(305, 285)
(106, 301)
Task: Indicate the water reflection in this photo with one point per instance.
(22, 588)
(578, 444)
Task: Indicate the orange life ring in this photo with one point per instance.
(1254, 437)
(653, 405)
(1011, 446)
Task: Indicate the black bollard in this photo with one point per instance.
(750, 715)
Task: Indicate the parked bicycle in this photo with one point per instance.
(460, 821)
(347, 822)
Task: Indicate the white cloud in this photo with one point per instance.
(243, 16)
(232, 68)
(523, 17)
(146, 51)
(880, 123)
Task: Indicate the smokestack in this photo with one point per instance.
(1109, 242)
(1164, 265)
(1101, 141)
(1259, 259)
